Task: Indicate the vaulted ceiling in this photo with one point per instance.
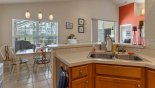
(27, 1)
(125, 2)
(118, 2)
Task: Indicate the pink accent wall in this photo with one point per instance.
(126, 16)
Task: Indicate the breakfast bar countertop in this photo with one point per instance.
(80, 58)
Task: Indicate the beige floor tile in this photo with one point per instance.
(11, 84)
(50, 83)
(45, 87)
(28, 80)
(48, 76)
(41, 84)
(37, 78)
(26, 86)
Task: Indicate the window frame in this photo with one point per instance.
(116, 31)
(14, 29)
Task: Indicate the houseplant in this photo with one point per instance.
(71, 39)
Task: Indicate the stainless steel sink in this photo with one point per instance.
(110, 55)
(101, 55)
(129, 57)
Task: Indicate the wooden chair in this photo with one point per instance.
(41, 58)
(9, 56)
(23, 61)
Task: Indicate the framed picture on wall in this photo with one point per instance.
(80, 21)
(81, 29)
(69, 25)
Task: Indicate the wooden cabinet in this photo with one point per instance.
(112, 82)
(114, 70)
(79, 76)
(150, 79)
(106, 76)
(80, 83)
(79, 71)
(114, 76)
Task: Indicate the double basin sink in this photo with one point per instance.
(110, 55)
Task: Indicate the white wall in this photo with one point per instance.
(62, 11)
(0, 25)
(150, 22)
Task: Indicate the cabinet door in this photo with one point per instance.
(80, 83)
(150, 79)
(111, 82)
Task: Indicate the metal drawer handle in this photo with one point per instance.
(138, 86)
(81, 73)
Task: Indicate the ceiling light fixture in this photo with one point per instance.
(50, 17)
(40, 16)
(27, 14)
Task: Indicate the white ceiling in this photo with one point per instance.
(26, 1)
(118, 2)
(125, 2)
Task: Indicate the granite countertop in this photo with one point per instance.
(80, 58)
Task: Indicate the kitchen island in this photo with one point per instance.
(85, 72)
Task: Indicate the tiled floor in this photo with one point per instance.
(42, 79)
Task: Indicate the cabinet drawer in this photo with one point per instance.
(112, 82)
(79, 71)
(124, 71)
(80, 83)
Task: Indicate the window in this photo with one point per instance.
(106, 28)
(35, 33)
(101, 28)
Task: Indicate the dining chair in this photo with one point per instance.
(7, 57)
(41, 58)
(22, 61)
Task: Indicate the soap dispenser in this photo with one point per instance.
(109, 44)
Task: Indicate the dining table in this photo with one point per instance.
(26, 53)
